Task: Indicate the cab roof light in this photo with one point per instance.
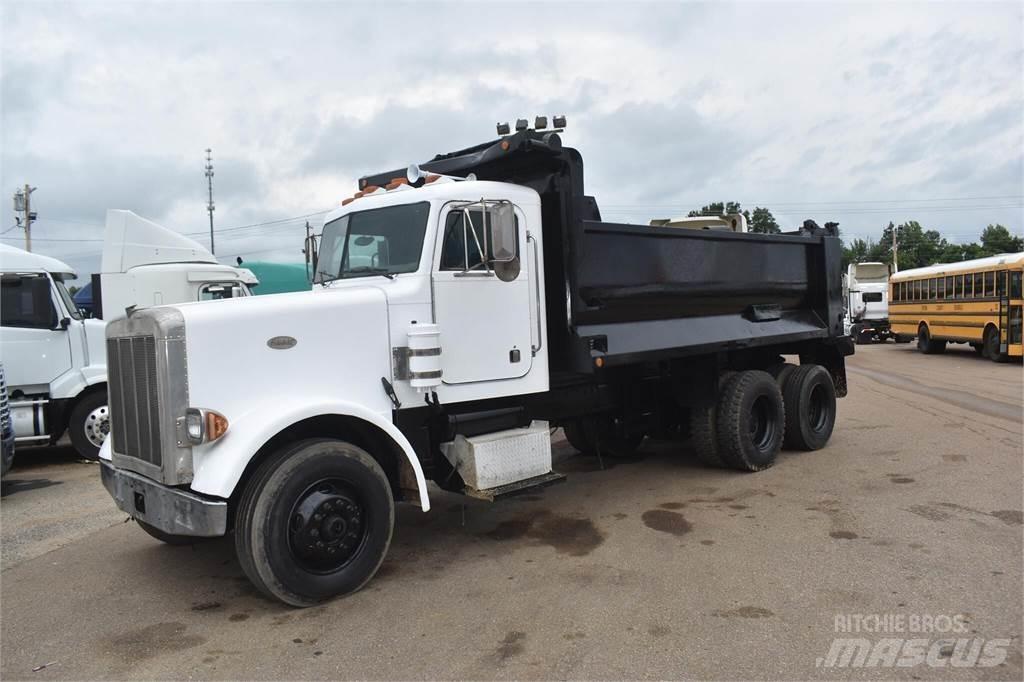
(395, 183)
(346, 202)
(370, 189)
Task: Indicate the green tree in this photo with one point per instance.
(716, 208)
(997, 239)
(762, 220)
(857, 251)
(73, 290)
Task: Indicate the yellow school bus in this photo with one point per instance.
(976, 302)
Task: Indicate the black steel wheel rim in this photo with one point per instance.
(327, 526)
(762, 426)
(817, 411)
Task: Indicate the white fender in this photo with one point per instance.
(219, 465)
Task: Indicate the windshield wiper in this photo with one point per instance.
(366, 268)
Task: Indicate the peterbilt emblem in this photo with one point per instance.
(281, 342)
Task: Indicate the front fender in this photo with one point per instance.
(219, 466)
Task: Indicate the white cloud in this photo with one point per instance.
(672, 106)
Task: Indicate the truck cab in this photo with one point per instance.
(866, 286)
(146, 264)
(55, 360)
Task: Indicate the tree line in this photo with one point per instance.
(915, 246)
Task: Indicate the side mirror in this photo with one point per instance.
(311, 256)
(503, 233)
(65, 322)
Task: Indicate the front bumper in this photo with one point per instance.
(174, 511)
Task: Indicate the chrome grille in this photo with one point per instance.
(134, 397)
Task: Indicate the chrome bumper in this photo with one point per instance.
(172, 510)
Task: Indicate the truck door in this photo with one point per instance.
(482, 295)
(36, 350)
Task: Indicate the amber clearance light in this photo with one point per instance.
(204, 426)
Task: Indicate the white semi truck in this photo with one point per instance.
(55, 361)
(146, 264)
(866, 289)
(462, 309)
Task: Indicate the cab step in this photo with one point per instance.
(516, 487)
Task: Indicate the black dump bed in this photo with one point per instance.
(638, 292)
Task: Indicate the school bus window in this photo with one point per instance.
(1001, 283)
(1015, 284)
(949, 287)
(958, 285)
(979, 287)
(990, 283)
(933, 289)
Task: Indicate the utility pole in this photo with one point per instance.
(895, 245)
(209, 186)
(23, 204)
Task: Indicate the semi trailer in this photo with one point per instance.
(462, 309)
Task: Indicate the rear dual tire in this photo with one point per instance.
(759, 412)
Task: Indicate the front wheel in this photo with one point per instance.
(314, 522)
(926, 344)
(89, 424)
(991, 345)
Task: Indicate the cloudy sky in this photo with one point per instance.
(852, 112)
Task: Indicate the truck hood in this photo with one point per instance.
(246, 353)
(95, 341)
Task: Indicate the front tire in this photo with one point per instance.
(926, 344)
(751, 421)
(810, 400)
(991, 345)
(89, 424)
(315, 522)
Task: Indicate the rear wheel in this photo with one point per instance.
(751, 421)
(89, 424)
(704, 435)
(810, 400)
(926, 344)
(314, 522)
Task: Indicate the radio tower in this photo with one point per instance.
(209, 186)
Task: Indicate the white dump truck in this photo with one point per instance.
(146, 264)
(866, 300)
(55, 361)
(462, 309)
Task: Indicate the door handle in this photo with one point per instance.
(536, 291)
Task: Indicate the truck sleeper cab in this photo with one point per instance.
(461, 310)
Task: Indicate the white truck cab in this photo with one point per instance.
(146, 264)
(54, 359)
(866, 289)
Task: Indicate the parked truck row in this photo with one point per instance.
(55, 355)
(462, 308)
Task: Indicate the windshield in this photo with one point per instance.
(69, 303)
(383, 241)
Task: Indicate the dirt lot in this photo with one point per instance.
(656, 568)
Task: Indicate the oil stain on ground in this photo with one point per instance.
(843, 535)
(666, 521)
(744, 612)
(153, 640)
(511, 645)
(566, 534)
(1010, 517)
